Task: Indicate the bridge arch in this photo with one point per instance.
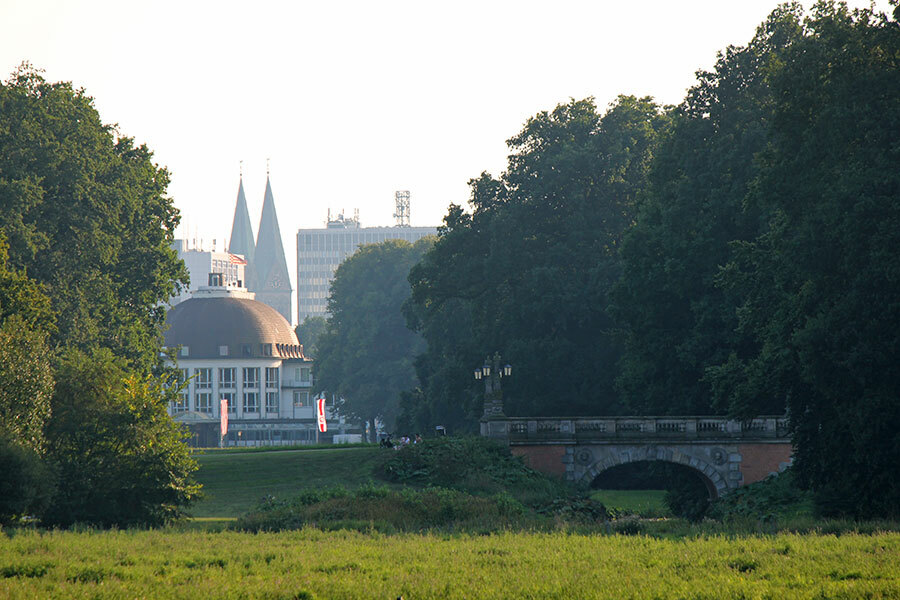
(710, 475)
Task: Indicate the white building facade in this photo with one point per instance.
(231, 347)
(200, 263)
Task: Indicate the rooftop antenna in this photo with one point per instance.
(401, 210)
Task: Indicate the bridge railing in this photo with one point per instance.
(523, 429)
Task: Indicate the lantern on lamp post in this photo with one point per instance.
(491, 372)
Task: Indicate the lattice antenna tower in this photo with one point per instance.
(401, 203)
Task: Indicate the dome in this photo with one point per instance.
(248, 328)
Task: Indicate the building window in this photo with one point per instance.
(301, 399)
(203, 379)
(272, 377)
(272, 402)
(185, 351)
(180, 404)
(246, 350)
(304, 374)
(265, 349)
(229, 397)
(204, 402)
(251, 377)
(223, 350)
(226, 377)
(251, 402)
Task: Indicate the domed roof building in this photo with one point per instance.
(213, 325)
(231, 347)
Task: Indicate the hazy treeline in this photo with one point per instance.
(735, 254)
(85, 265)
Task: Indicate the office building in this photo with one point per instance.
(320, 251)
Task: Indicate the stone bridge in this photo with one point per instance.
(726, 454)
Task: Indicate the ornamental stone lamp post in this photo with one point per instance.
(493, 421)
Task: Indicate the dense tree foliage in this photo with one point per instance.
(308, 333)
(85, 211)
(85, 267)
(820, 286)
(746, 241)
(120, 458)
(527, 273)
(365, 355)
(26, 482)
(26, 381)
(677, 322)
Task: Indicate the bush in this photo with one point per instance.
(120, 458)
(26, 484)
(384, 510)
(776, 497)
(475, 465)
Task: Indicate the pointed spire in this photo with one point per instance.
(273, 280)
(242, 237)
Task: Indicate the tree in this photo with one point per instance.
(676, 321)
(26, 380)
(365, 355)
(820, 284)
(528, 271)
(119, 457)
(85, 211)
(308, 333)
(88, 227)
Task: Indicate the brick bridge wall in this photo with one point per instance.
(727, 454)
(723, 466)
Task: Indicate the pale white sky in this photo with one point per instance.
(352, 100)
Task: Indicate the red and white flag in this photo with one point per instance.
(320, 407)
(236, 260)
(223, 416)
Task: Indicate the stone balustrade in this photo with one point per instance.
(598, 429)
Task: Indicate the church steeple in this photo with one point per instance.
(273, 280)
(242, 237)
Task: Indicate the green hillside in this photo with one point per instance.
(234, 482)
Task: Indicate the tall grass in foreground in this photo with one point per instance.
(314, 564)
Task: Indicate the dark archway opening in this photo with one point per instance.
(687, 491)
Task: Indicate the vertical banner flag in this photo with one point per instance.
(223, 416)
(320, 406)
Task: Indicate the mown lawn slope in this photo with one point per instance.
(233, 483)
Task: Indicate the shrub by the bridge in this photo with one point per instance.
(475, 465)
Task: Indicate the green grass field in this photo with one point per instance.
(201, 560)
(233, 482)
(343, 564)
(645, 503)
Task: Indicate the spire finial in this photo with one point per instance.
(267, 167)
(241, 169)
